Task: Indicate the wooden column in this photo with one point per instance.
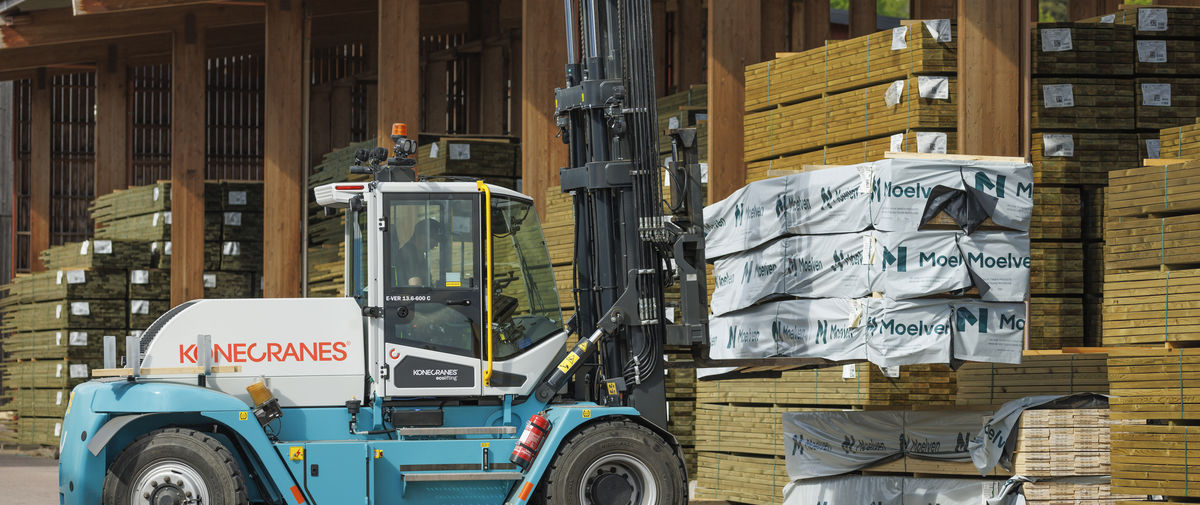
(734, 42)
(990, 77)
(112, 162)
(544, 68)
(39, 170)
(813, 23)
(7, 182)
(283, 163)
(319, 136)
(399, 90)
(187, 163)
(862, 17)
(658, 16)
(775, 29)
(933, 9)
(515, 74)
(689, 44)
(493, 84)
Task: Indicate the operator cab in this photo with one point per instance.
(452, 293)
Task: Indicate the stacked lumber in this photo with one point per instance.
(994, 384)
(1054, 493)
(326, 233)
(1092, 157)
(1057, 269)
(1181, 142)
(855, 152)
(1063, 443)
(1056, 322)
(495, 161)
(1166, 102)
(1056, 213)
(861, 384)
(685, 109)
(679, 379)
(1076, 49)
(1087, 103)
(736, 478)
(1156, 22)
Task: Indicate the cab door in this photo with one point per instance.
(433, 316)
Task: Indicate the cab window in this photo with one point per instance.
(526, 308)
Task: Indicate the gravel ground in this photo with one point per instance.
(26, 480)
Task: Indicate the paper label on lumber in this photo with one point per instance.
(673, 122)
(999, 263)
(81, 308)
(58, 370)
(821, 444)
(210, 280)
(58, 397)
(1058, 95)
(459, 151)
(58, 338)
(77, 371)
(1152, 51)
(896, 143)
(58, 425)
(931, 142)
(139, 306)
(989, 331)
(76, 276)
(231, 248)
(237, 198)
(83, 248)
(1062, 145)
(935, 87)
(1152, 20)
(233, 219)
(154, 219)
(1156, 94)
(899, 34)
(908, 332)
(1056, 39)
(703, 173)
(890, 371)
(914, 264)
(849, 371)
(939, 29)
(892, 96)
(1153, 148)
(156, 193)
(77, 338)
(806, 266)
(1109, 18)
(811, 202)
(790, 328)
(891, 490)
(139, 277)
(58, 311)
(433, 150)
(903, 188)
(103, 247)
(167, 248)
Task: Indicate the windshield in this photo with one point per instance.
(526, 308)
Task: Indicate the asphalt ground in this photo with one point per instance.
(28, 480)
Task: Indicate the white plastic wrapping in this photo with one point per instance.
(890, 490)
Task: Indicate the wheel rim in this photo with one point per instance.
(169, 482)
(631, 471)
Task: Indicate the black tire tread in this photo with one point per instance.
(544, 494)
(228, 464)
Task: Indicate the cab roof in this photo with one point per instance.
(338, 194)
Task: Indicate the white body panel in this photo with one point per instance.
(309, 350)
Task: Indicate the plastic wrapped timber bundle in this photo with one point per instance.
(884, 331)
(911, 191)
(901, 265)
(891, 490)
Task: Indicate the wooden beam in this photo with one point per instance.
(112, 115)
(734, 42)
(814, 24)
(59, 26)
(658, 17)
(399, 90)
(32, 58)
(187, 163)
(990, 77)
(544, 69)
(689, 44)
(283, 149)
(862, 17)
(775, 29)
(39, 170)
(84, 7)
(933, 9)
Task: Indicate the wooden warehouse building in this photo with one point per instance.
(99, 95)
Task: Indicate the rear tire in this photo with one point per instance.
(615, 463)
(173, 466)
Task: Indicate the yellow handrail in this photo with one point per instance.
(487, 255)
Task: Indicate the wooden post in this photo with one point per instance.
(734, 42)
(689, 44)
(775, 28)
(933, 9)
(543, 69)
(187, 162)
(990, 77)
(39, 170)
(862, 17)
(283, 161)
(493, 83)
(814, 23)
(515, 57)
(658, 17)
(7, 182)
(112, 166)
(399, 89)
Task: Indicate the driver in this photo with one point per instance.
(411, 264)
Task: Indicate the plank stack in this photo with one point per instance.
(326, 233)
(494, 160)
(680, 379)
(1040, 373)
(685, 109)
(1181, 142)
(1084, 126)
(852, 100)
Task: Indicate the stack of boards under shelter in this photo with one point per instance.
(840, 263)
(327, 232)
(1083, 128)
(493, 160)
(852, 100)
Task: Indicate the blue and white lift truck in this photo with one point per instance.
(445, 375)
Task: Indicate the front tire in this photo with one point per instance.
(615, 463)
(174, 466)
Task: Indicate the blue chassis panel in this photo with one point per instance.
(324, 434)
